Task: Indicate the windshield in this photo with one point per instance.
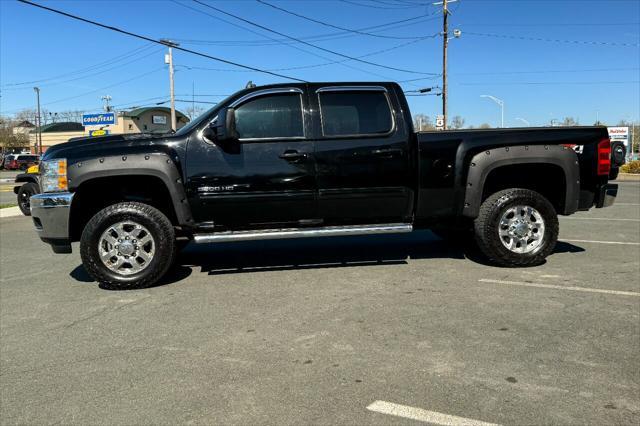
(202, 117)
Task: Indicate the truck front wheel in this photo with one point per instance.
(128, 245)
(516, 227)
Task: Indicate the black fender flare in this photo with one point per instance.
(156, 164)
(23, 178)
(485, 162)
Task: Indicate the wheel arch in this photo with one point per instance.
(149, 178)
(550, 170)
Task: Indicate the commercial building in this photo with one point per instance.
(139, 120)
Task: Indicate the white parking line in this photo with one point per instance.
(561, 287)
(421, 415)
(601, 218)
(601, 242)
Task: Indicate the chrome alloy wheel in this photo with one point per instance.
(126, 247)
(521, 229)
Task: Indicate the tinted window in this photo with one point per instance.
(28, 158)
(354, 113)
(272, 116)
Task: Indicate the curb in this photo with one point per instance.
(10, 212)
(628, 177)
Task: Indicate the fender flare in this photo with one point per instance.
(484, 163)
(23, 178)
(155, 164)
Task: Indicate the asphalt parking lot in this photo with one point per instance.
(7, 196)
(362, 330)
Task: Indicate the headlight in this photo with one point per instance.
(53, 175)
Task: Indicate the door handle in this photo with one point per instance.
(293, 155)
(387, 152)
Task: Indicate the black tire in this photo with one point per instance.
(618, 154)
(26, 191)
(613, 173)
(487, 224)
(158, 226)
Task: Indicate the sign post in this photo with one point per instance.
(440, 122)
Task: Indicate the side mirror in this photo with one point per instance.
(225, 126)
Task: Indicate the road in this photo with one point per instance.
(6, 188)
(316, 331)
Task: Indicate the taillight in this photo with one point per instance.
(604, 157)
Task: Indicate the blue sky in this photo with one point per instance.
(538, 80)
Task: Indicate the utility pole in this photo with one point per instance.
(169, 60)
(445, 42)
(38, 122)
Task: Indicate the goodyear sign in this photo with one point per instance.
(100, 132)
(99, 119)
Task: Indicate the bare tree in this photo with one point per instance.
(422, 122)
(569, 121)
(457, 122)
(485, 126)
(8, 140)
(194, 111)
(71, 116)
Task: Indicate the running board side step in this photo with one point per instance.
(327, 231)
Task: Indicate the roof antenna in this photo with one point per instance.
(250, 85)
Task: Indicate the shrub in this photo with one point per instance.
(631, 167)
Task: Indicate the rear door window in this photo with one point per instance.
(355, 113)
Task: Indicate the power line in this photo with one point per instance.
(514, 37)
(306, 43)
(129, 33)
(98, 90)
(86, 69)
(549, 83)
(292, 45)
(319, 37)
(299, 67)
(378, 7)
(530, 72)
(565, 24)
(350, 30)
(139, 58)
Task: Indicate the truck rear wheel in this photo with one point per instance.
(128, 245)
(516, 227)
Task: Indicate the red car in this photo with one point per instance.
(21, 161)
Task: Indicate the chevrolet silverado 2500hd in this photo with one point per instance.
(311, 160)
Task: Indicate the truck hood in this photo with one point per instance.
(92, 146)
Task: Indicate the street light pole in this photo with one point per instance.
(499, 102)
(524, 121)
(38, 122)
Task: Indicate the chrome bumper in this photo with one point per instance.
(50, 213)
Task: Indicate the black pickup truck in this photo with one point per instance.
(312, 160)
